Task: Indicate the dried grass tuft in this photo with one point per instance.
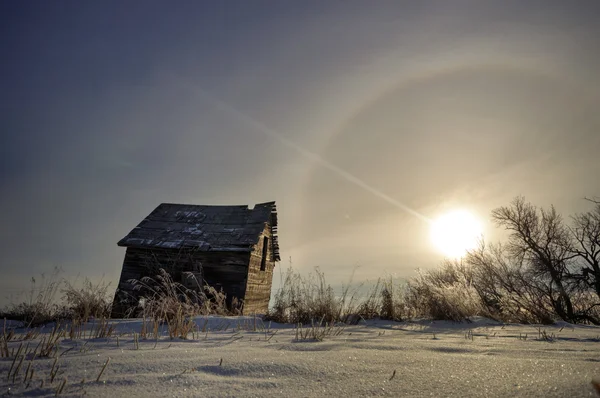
(167, 301)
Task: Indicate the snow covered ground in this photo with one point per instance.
(376, 358)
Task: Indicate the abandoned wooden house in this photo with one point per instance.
(231, 248)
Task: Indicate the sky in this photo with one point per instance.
(360, 118)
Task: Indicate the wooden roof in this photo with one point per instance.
(205, 228)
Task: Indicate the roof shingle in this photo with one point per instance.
(204, 227)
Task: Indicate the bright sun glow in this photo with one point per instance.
(456, 232)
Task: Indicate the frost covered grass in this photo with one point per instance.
(307, 299)
(247, 357)
(53, 298)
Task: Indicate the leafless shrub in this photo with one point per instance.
(507, 289)
(310, 299)
(40, 306)
(540, 239)
(393, 306)
(586, 236)
(307, 299)
(445, 293)
(370, 306)
(90, 300)
(299, 300)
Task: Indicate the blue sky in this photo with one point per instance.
(110, 108)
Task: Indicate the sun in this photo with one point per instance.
(456, 232)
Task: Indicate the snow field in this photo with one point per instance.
(234, 358)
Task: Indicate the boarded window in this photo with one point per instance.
(265, 252)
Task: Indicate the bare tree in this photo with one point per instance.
(507, 288)
(539, 238)
(586, 234)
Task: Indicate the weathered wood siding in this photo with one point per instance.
(223, 270)
(258, 287)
